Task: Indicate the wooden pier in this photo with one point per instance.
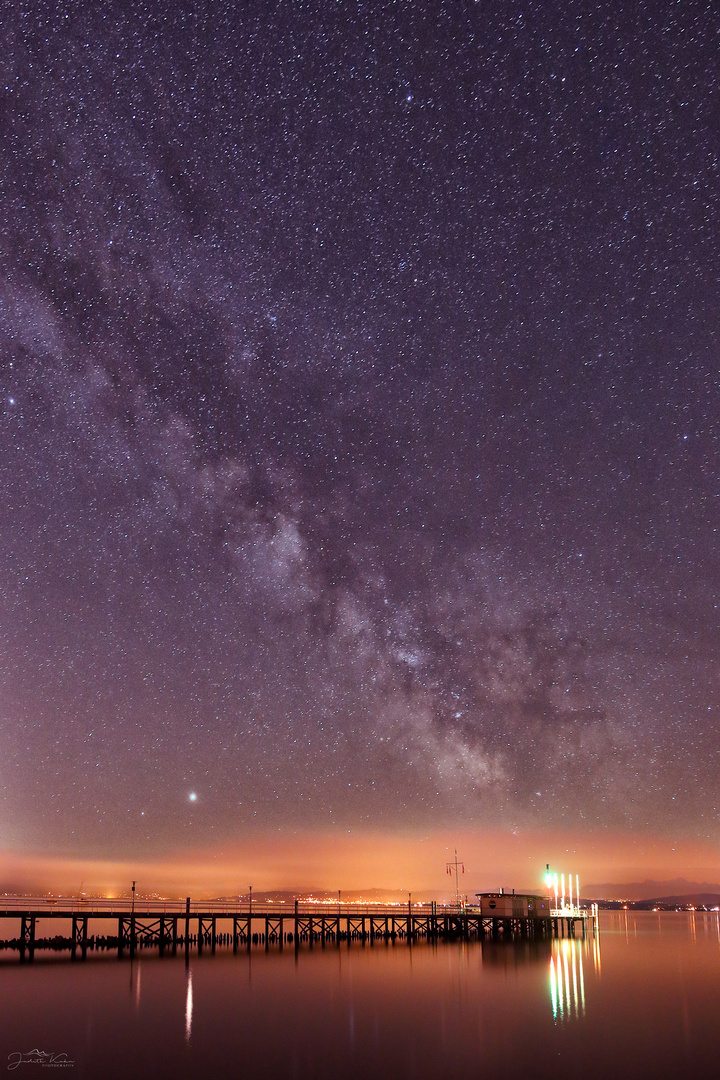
(172, 925)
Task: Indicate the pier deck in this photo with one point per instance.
(169, 925)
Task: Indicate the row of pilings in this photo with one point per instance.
(101, 943)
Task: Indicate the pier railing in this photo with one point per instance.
(574, 911)
(114, 905)
(98, 905)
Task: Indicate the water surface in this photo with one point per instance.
(640, 1000)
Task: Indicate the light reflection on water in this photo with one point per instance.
(188, 1006)
(648, 985)
(567, 975)
(135, 976)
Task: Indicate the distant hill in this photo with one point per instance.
(652, 890)
(698, 900)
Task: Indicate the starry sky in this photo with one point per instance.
(359, 436)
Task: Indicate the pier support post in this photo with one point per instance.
(27, 935)
(79, 934)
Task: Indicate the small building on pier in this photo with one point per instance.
(504, 905)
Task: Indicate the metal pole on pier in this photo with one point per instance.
(453, 867)
(132, 921)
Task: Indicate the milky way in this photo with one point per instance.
(359, 419)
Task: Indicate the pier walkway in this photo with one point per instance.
(169, 925)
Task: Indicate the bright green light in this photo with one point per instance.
(548, 876)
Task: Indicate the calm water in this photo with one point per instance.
(642, 1000)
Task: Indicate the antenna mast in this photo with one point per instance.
(456, 867)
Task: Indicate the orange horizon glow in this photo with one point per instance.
(357, 861)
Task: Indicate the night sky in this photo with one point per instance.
(359, 433)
